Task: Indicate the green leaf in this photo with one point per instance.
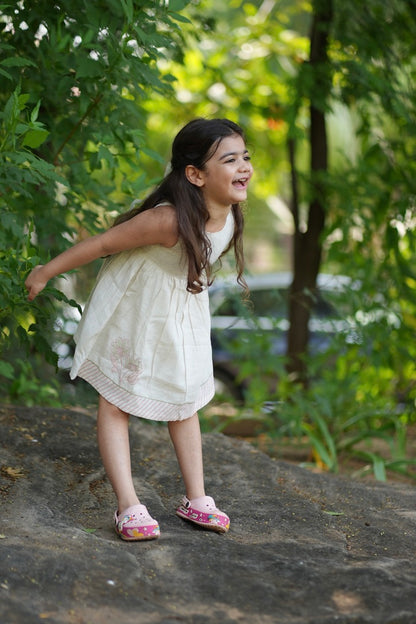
(35, 112)
(379, 468)
(6, 370)
(23, 100)
(10, 224)
(149, 152)
(60, 296)
(89, 69)
(105, 154)
(11, 108)
(177, 5)
(5, 74)
(34, 138)
(17, 61)
(128, 9)
(179, 18)
(378, 463)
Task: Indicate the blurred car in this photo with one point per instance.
(234, 323)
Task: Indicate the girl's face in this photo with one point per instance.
(226, 175)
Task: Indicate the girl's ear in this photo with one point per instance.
(194, 175)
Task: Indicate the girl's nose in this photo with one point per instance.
(245, 165)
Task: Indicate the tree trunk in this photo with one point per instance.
(307, 251)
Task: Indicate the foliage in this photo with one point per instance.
(339, 416)
(371, 223)
(369, 234)
(71, 133)
(342, 414)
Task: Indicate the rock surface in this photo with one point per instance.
(303, 548)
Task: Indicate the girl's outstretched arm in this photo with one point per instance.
(152, 227)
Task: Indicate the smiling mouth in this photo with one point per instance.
(241, 183)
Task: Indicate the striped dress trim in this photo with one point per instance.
(144, 407)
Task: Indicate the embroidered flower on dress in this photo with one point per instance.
(123, 363)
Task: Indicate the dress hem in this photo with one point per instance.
(140, 406)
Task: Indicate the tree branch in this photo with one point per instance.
(69, 136)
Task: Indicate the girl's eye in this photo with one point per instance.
(233, 160)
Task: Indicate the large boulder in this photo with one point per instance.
(303, 548)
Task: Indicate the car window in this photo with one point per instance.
(322, 308)
(262, 302)
(231, 306)
(334, 304)
(268, 302)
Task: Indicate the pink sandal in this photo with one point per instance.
(135, 524)
(202, 511)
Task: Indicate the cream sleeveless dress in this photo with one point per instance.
(143, 341)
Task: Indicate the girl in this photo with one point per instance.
(144, 338)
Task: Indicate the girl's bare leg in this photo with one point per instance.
(186, 438)
(113, 442)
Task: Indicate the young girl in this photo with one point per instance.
(144, 338)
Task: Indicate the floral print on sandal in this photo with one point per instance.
(136, 524)
(203, 512)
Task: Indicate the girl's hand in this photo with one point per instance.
(35, 282)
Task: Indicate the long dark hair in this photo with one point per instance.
(194, 145)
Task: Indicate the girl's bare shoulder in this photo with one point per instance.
(165, 212)
(160, 223)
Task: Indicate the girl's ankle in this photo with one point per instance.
(126, 503)
(196, 495)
